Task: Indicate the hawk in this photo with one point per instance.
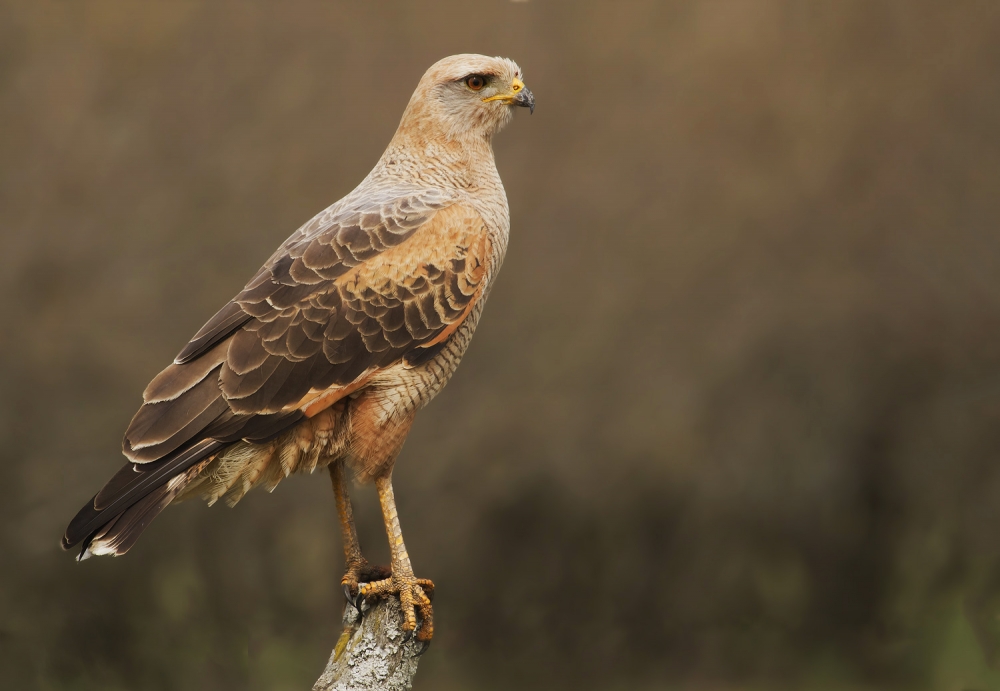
(355, 323)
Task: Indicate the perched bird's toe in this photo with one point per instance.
(358, 574)
(427, 585)
(414, 598)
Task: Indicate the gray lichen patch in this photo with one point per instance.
(372, 653)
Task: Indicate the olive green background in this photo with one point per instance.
(732, 417)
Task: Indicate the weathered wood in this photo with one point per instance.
(372, 653)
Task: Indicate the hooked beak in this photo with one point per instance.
(519, 95)
(525, 99)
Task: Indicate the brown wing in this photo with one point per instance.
(334, 305)
(320, 317)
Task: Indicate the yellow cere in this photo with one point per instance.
(515, 86)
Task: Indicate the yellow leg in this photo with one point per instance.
(357, 567)
(414, 593)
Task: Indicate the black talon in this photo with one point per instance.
(357, 601)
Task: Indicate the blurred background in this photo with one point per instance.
(730, 421)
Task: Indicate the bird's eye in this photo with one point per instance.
(475, 82)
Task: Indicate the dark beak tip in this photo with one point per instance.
(526, 99)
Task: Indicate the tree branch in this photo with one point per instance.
(372, 652)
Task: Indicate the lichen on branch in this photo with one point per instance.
(373, 653)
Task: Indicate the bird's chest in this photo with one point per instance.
(403, 389)
(490, 202)
(406, 387)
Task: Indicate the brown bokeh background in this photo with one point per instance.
(730, 420)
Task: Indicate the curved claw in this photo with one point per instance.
(352, 600)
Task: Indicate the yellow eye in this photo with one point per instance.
(475, 82)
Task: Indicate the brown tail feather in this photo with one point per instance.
(118, 535)
(130, 489)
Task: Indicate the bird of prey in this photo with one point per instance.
(356, 322)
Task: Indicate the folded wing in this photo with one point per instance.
(350, 293)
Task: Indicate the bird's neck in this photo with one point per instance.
(427, 157)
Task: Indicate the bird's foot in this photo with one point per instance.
(414, 596)
(359, 572)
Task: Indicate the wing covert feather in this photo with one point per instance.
(347, 294)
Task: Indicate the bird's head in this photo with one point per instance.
(468, 94)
